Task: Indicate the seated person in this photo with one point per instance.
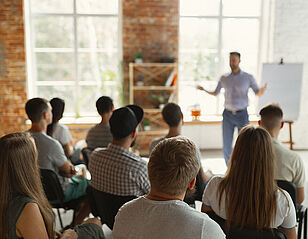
(173, 167)
(115, 170)
(61, 133)
(24, 209)
(289, 166)
(99, 136)
(173, 116)
(248, 196)
(51, 155)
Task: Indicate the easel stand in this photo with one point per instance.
(290, 135)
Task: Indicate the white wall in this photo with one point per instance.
(290, 41)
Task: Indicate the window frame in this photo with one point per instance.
(263, 42)
(32, 81)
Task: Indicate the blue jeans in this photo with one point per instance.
(229, 122)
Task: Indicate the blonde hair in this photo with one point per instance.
(173, 165)
(19, 173)
(249, 183)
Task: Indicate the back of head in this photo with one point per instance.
(173, 165)
(19, 171)
(125, 120)
(35, 108)
(271, 116)
(172, 114)
(104, 105)
(249, 183)
(57, 105)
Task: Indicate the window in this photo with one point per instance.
(209, 30)
(73, 52)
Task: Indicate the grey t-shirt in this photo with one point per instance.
(145, 218)
(99, 136)
(50, 155)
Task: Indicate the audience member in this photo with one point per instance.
(115, 170)
(248, 196)
(24, 209)
(51, 155)
(289, 165)
(173, 167)
(99, 136)
(173, 116)
(61, 133)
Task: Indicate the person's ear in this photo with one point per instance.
(192, 184)
(281, 125)
(182, 118)
(45, 115)
(259, 122)
(133, 134)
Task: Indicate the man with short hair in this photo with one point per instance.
(289, 166)
(116, 170)
(51, 154)
(173, 116)
(99, 136)
(236, 85)
(173, 167)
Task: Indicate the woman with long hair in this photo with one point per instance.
(248, 196)
(24, 209)
(23, 204)
(61, 133)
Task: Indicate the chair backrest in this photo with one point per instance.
(190, 199)
(106, 205)
(51, 185)
(86, 153)
(290, 188)
(235, 232)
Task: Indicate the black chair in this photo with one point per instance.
(197, 196)
(106, 205)
(301, 211)
(55, 194)
(86, 153)
(239, 233)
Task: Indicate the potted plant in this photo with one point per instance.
(138, 57)
(147, 125)
(161, 99)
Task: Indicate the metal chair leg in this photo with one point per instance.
(305, 224)
(60, 219)
(299, 230)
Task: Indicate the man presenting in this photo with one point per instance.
(236, 85)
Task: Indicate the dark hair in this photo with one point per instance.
(35, 108)
(172, 114)
(236, 54)
(104, 105)
(57, 105)
(271, 116)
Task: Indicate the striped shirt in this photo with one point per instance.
(99, 136)
(117, 171)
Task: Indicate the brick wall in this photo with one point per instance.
(149, 27)
(12, 67)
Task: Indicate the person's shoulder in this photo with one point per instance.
(215, 180)
(131, 205)
(62, 127)
(283, 198)
(282, 151)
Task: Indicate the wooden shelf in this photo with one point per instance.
(154, 132)
(152, 110)
(154, 77)
(154, 87)
(152, 64)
